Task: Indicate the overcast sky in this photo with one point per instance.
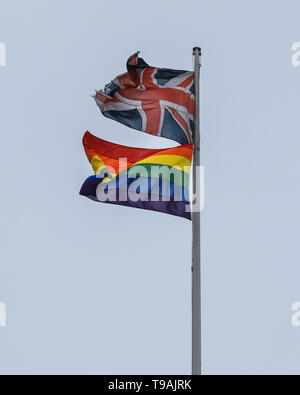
(94, 288)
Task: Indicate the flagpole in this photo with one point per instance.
(196, 267)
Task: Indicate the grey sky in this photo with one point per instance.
(93, 288)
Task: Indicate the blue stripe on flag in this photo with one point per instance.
(129, 118)
(172, 130)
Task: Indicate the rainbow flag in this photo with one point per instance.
(151, 179)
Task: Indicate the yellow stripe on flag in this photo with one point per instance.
(180, 162)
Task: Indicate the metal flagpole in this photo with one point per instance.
(196, 268)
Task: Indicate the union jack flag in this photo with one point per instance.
(150, 99)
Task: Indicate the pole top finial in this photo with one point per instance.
(196, 49)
